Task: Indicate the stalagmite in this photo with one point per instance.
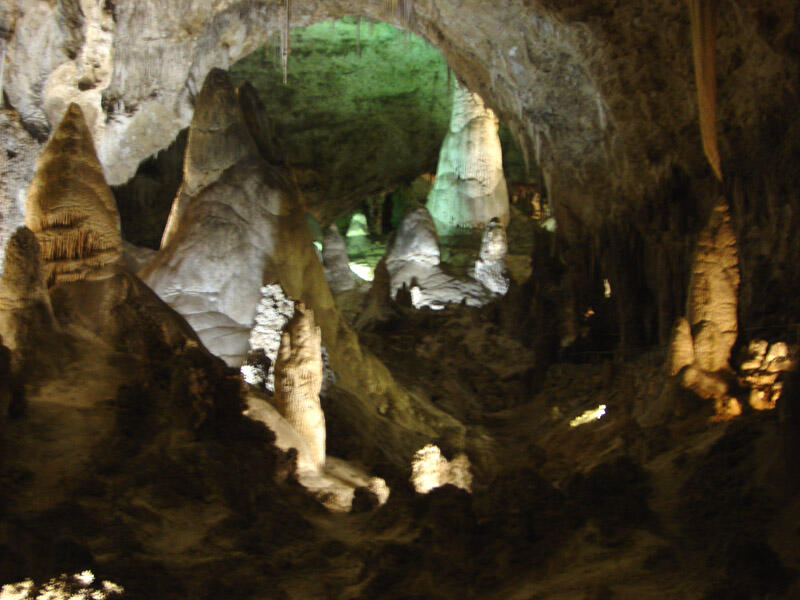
(470, 187)
(490, 268)
(218, 139)
(298, 380)
(681, 348)
(247, 230)
(377, 306)
(415, 240)
(336, 262)
(701, 342)
(70, 207)
(26, 315)
(713, 292)
(413, 262)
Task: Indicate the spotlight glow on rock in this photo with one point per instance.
(365, 272)
(589, 416)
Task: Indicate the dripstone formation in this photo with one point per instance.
(298, 380)
(701, 342)
(71, 209)
(27, 324)
(470, 188)
(336, 261)
(490, 268)
(413, 262)
(254, 212)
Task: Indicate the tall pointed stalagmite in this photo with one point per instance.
(71, 209)
(298, 381)
(218, 139)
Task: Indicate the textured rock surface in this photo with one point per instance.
(253, 213)
(416, 239)
(136, 257)
(413, 263)
(236, 216)
(70, 207)
(27, 324)
(298, 381)
(701, 342)
(762, 371)
(273, 313)
(470, 188)
(336, 261)
(364, 109)
(430, 470)
(490, 268)
(713, 291)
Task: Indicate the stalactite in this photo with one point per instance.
(358, 37)
(703, 15)
(601, 112)
(2, 64)
(285, 43)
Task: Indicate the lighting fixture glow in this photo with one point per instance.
(589, 416)
(606, 288)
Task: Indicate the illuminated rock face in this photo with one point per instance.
(490, 268)
(713, 292)
(298, 380)
(336, 261)
(249, 229)
(273, 313)
(225, 208)
(413, 260)
(762, 370)
(416, 240)
(70, 207)
(470, 188)
(218, 139)
(702, 341)
(429, 470)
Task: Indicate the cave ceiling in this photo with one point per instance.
(600, 94)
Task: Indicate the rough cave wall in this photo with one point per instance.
(601, 96)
